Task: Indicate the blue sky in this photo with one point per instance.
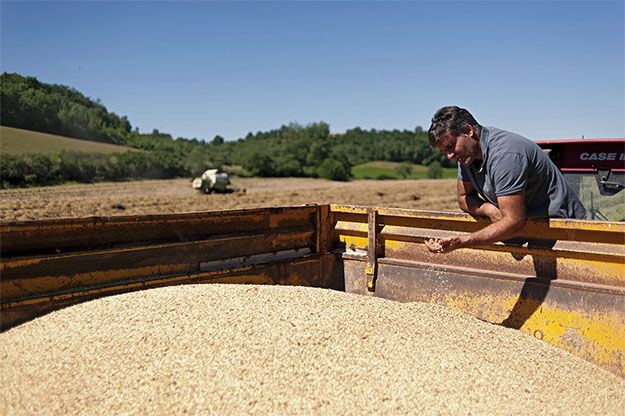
(547, 70)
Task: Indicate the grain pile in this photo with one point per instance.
(231, 349)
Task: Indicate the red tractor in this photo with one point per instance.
(596, 169)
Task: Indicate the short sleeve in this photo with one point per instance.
(509, 173)
(462, 174)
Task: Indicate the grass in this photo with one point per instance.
(18, 141)
(390, 170)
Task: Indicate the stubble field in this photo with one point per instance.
(177, 196)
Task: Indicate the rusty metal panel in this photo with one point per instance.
(372, 248)
(355, 276)
(587, 322)
(576, 261)
(23, 277)
(44, 261)
(585, 265)
(63, 235)
(551, 229)
(325, 228)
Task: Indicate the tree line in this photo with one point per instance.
(291, 150)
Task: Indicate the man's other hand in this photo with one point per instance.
(491, 211)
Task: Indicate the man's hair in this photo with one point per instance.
(450, 120)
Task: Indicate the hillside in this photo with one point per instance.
(15, 141)
(382, 169)
(62, 115)
(58, 109)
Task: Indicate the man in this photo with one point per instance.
(502, 176)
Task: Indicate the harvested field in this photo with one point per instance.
(236, 349)
(175, 196)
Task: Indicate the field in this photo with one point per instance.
(176, 195)
(391, 170)
(19, 141)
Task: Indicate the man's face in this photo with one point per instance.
(464, 148)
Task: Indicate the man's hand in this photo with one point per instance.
(511, 222)
(444, 245)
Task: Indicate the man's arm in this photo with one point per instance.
(512, 208)
(470, 202)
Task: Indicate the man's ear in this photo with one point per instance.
(472, 133)
(469, 131)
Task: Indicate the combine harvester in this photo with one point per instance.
(565, 285)
(596, 169)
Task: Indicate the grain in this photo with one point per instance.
(244, 349)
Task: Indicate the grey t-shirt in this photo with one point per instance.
(511, 163)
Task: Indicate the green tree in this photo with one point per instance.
(197, 161)
(57, 109)
(260, 165)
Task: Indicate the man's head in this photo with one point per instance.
(456, 133)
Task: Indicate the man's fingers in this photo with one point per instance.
(448, 244)
(434, 245)
(442, 245)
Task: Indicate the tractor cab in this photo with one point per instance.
(596, 169)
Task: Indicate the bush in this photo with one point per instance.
(52, 169)
(333, 170)
(404, 170)
(260, 165)
(29, 170)
(435, 170)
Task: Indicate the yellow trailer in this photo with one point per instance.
(562, 281)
